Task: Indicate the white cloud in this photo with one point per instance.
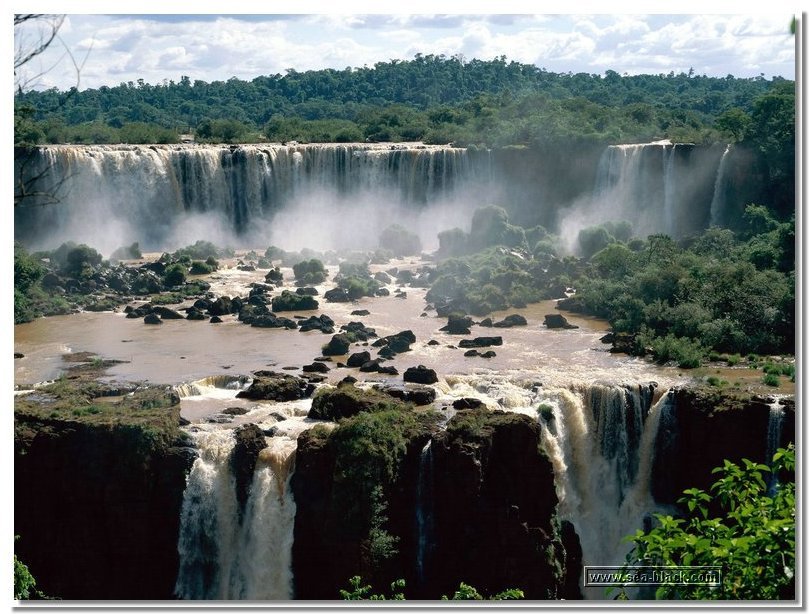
(216, 48)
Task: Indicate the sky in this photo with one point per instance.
(114, 49)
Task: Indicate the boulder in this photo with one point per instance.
(458, 325)
(307, 291)
(417, 394)
(216, 320)
(420, 375)
(555, 320)
(514, 319)
(221, 306)
(358, 331)
(235, 411)
(166, 314)
(316, 367)
(388, 370)
(152, 318)
(358, 359)
(467, 403)
(271, 386)
(371, 366)
(480, 342)
(360, 312)
(337, 346)
(323, 323)
(337, 295)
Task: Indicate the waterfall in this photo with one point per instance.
(152, 193)
(425, 536)
(221, 558)
(669, 189)
(718, 200)
(774, 428)
(601, 442)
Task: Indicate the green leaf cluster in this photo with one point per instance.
(743, 525)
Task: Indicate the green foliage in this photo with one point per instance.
(593, 239)
(127, 252)
(687, 354)
(771, 379)
(175, 275)
(465, 592)
(309, 272)
(752, 540)
(198, 267)
(291, 301)
(200, 250)
(24, 582)
(381, 544)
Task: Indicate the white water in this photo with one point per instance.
(424, 511)
(166, 196)
(222, 557)
(774, 427)
(669, 189)
(601, 444)
(718, 201)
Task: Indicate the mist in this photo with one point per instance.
(341, 197)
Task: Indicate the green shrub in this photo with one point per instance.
(174, 275)
(751, 538)
(400, 241)
(771, 379)
(685, 352)
(309, 272)
(198, 267)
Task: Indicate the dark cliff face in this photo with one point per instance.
(490, 509)
(702, 429)
(97, 506)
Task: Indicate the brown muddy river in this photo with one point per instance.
(182, 351)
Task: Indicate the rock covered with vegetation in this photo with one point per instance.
(99, 481)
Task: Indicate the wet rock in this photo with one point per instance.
(360, 312)
(467, 403)
(488, 354)
(608, 338)
(316, 367)
(348, 380)
(371, 366)
(221, 306)
(480, 342)
(417, 394)
(555, 320)
(471, 353)
(359, 331)
(195, 314)
(249, 443)
(152, 319)
(137, 312)
(388, 370)
(235, 411)
(337, 346)
(274, 276)
(458, 325)
(166, 313)
(19, 355)
(272, 386)
(433, 342)
(323, 323)
(216, 320)
(358, 359)
(514, 319)
(337, 295)
(307, 291)
(270, 320)
(345, 401)
(383, 277)
(486, 323)
(382, 292)
(420, 375)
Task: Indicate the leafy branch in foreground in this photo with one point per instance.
(753, 540)
(358, 591)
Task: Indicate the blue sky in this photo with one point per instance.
(126, 47)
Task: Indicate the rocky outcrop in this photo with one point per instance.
(555, 320)
(272, 386)
(97, 500)
(489, 492)
(420, 375)
(704, 427)
(249, 442)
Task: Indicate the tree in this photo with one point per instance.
(752, 538)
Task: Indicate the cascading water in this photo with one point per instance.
(774, 428)
(424, 512)
(601, 442)
(718, 200)
(149, 193)
(669, 188)
(221, 556)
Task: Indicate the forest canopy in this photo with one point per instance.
(431, 98)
